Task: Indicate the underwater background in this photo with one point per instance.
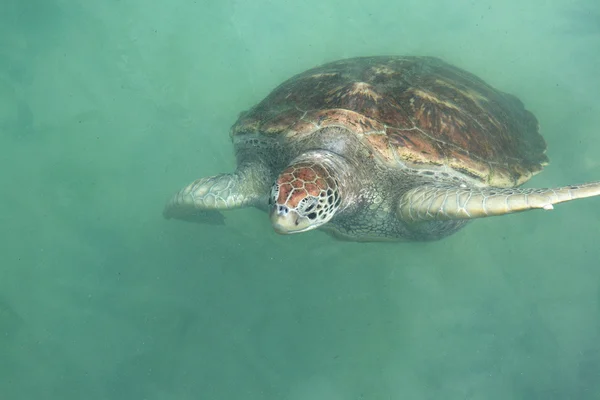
(108, 107)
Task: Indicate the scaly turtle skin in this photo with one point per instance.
(380, 148)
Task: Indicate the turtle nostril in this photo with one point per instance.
(282, 210)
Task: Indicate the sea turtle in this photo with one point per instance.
(380, 148)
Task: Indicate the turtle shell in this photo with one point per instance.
(418, 112)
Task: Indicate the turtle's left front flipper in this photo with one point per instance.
(443, 203)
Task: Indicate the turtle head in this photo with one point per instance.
(304, 197)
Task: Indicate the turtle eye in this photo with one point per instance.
(308, 205)
(274, 194)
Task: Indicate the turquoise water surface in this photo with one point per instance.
(108, 107)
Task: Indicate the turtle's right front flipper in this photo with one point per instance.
(202, 200)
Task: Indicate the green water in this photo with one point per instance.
(106, 108)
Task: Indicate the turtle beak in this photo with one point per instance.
(286, 221)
